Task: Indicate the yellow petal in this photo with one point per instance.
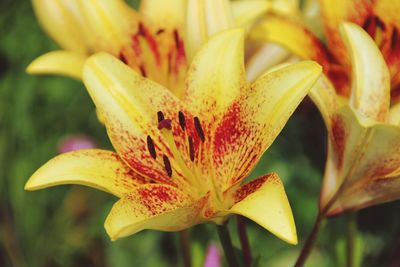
(58, 62)
(217, 73)
(205, 18)
(264, 201)
(267, 56)
(246, 12)
(100, 169)
(335, 12)
(375, 171)
(370, 93)
(394, 115)
(253, 122)
(63, 21)
(152, 206)
(129, 104)
(164, 14)
(293, 36)
(324, 96)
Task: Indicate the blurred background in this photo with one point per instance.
(63, 226)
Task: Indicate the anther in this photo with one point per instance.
(167, 165)
(199, 130)
(182, 121)
(160, 116)
(191, 148)
(151, 148)
(165, 124)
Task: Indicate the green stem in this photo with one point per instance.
(244, 240)
(226, 242)
(350, 239)
(184, 240)
(310, 242)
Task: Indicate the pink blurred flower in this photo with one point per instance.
(71, 143)
(213, 256)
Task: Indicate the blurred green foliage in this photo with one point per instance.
(63, 226)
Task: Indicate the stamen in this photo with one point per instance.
(160, 116)
(167, 165)
(141, 29)
(160, 31)
(199, 130)
(151, 147)
(142, 71)
(182, 120)
(165, 124)
(191, 148)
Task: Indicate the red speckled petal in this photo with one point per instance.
(129, 104)
(303, 43)
(264, 201)
(368, 165)
(152, 206)
(252, 123)
(96, 168)
(337, 11)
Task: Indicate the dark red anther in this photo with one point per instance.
(143, 71)
(151, 147)
(141, 29)
(191, 148)
(160, 31)
(182, 120)
(199, 130)
(176, 39)
(167, 165)
(395, 39)
(165, 124)
(160, 116)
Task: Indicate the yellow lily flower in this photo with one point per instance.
(181, 162)
(159, 40)
(149, 40)
(378, 18)
(363, 159)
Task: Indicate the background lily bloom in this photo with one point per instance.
(364, 135)
(149, 40)
(378, 18)
(158, 41)
(179, 163)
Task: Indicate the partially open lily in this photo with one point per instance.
(378, 18)
(363, 161)
(181, 162)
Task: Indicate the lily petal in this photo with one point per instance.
(293, 36)
(337, 11)
(253, 122)
(376, 175)
(63, 21)
(264, 201)
(394, 115)
(129, 105)
(205, 18)
(100, 169)
(152, 206)
(217, 74)
(246, 12)
(58, 62)
(370, 93)
(164, 14)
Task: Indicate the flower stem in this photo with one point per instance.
(244, 240)
(312, 237)
(226, 242)
(350, 239)
(184, 240)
